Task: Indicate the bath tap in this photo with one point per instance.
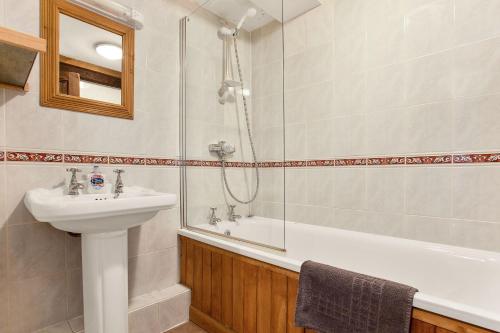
(231, 215)
(119, 182)
(74, 186)
(213, 219)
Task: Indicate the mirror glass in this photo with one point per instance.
(90, 61)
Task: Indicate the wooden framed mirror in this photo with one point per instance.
(89, 63)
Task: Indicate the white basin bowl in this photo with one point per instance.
(96, 213)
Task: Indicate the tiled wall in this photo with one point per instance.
(392, 78)
(40, 267)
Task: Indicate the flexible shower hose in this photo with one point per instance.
(249, 131)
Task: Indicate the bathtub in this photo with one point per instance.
(459, 283)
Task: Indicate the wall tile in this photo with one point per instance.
(63, 327)
(428, 229)
(2, 114)
(313, 66)
(35, 250)
(388, 224)
(385, 87)
(76, 126)
(428, 27)
(319, 139)
(430, 128)
(74, 291)
(429, 79)
(73, 252)
(23, 17)
(429, 191)
(350, 15)
(2, 14)
(319, 24)
(4, 305)
(23, 178)
(350, 51)
(29, 125)
(349, 219)
(295, 185)
(384, 40)
(158, 234)
(174, 311)
(3, 227)
(476, 125)
(350, 184)
(295, 141)
(295, 37)
(320, 185)
(350, 94)
(380, 130)
(348, 136)
(272, 184)
(475, 193)
(153, 271)
(476, 68)
(42, 298)
(474, 234)
(144, 320)
(476, 20)
(385, 189)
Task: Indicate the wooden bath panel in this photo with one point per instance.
(236, 294)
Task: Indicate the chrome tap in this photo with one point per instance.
(74, 186)
(231, 215)
(118, 183)
(213, 219)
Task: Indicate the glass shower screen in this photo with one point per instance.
(232, 122)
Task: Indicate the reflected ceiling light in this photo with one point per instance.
(109, 51)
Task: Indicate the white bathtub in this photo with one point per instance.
(456, 282)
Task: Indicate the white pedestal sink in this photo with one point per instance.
(103, 222)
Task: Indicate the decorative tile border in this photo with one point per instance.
(421, 160)
(162, 162)
(127, 160)
(350, 162)
(34, 157)
(321, 163)
(290, 164)
(444, 159)
(399, 160)
(85, 159)
(476, 158)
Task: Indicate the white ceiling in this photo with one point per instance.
(78, 40)
(267, 10)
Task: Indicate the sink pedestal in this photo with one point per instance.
(105, 282)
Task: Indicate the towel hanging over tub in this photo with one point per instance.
(333, 300)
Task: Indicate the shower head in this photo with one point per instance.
(251, 12)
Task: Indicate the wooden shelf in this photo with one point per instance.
(18, 52)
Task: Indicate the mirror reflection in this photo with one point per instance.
(90, 61)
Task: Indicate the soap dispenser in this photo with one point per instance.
(96, 181)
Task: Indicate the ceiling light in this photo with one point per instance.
(109, 51)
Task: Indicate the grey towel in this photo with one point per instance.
(333, 300)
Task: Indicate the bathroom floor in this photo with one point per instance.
(187, 328)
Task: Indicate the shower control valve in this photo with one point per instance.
(222, 149)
